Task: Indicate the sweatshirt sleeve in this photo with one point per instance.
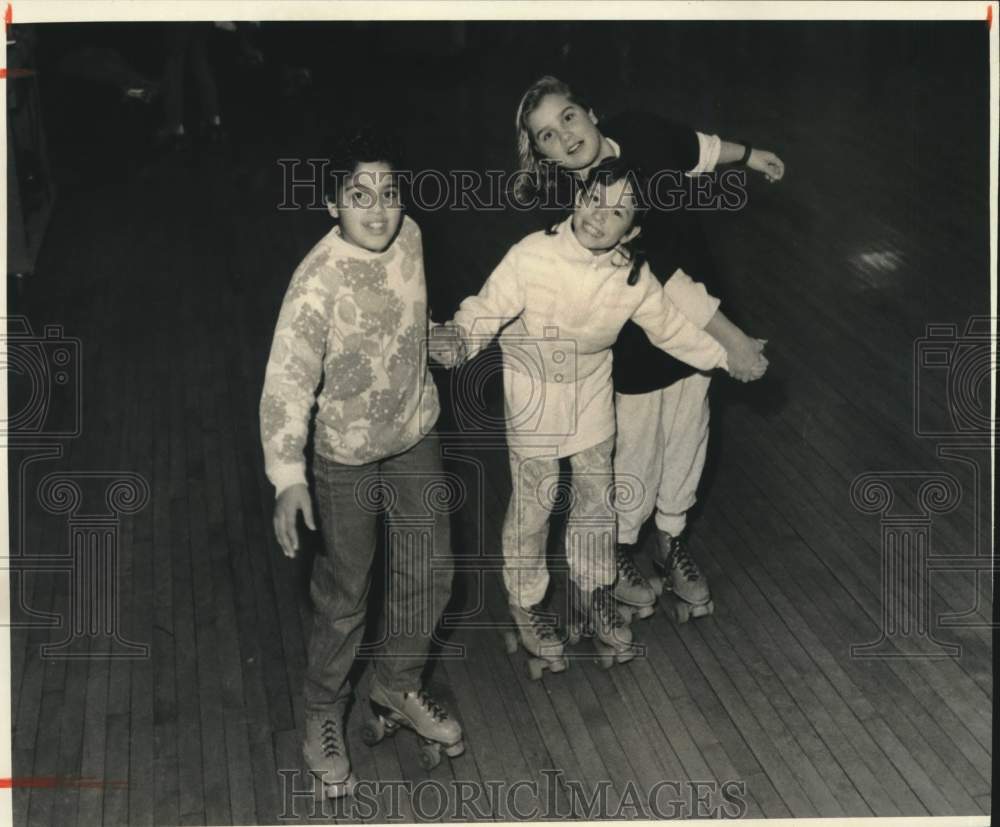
(691, 298)
(500, 300)
(709, 149)
(293, 373)
(669, 330)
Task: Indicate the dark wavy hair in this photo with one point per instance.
(608, 172)
(367, 143)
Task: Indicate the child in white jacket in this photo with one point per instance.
(568, 292)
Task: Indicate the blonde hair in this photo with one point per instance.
(527, 154)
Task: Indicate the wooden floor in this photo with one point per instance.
(170, 279)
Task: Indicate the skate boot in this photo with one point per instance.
(539, 638)
(325, 753)
(682, 577)
(597, 615)
(418, 711)
(635, 594)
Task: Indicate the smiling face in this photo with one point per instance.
(564, 132)
(604, 217)
(368, 206)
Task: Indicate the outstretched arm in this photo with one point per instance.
(501, 299)
(760, 160)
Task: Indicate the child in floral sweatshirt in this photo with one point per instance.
(355, 319)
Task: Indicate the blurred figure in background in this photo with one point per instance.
(187, 45)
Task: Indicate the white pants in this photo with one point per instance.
(590, 523)
(659, 455)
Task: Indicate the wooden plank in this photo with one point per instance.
(877, 690)
(734, 588)
(824, 610)
(191, 797)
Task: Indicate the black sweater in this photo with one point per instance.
(672, 239)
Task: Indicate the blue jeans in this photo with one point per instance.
(412, 490)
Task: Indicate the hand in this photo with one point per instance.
(746, 359)
(768, 164)
(446, 345)
(290, 502)
(760, 366)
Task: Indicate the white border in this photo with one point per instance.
(51, 11)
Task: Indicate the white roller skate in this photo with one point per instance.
(537, 634)
(682, 577)
(635, 594)
(325, 753)
(421, 713)
(597, 615)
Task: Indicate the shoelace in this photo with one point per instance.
(330, 734)
(540, 625)
(627, 567)
(683, 561)
(435, 710)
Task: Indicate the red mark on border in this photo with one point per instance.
(52, 782)
(989, 18)
(8, 16)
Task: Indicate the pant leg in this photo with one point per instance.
(204, 76)
(526, 528)
(420, 566)
(590, 529)
(685, 434)
(177, 38)
(341, 578)
(638, 460)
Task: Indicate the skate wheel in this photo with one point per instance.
(656, 584)
(625, 655)
(455, 749)
(682, 612)
(430, 756)
(646, 611)
(606, 661)
(373, 731)
(510, 642)
(535, 669)
(338, 789)
(558, 665)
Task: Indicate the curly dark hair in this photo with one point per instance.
(357, 145)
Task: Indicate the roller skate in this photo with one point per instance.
(418, 711)
(635, 594)
(539, 638)
(682, 577)
(325, 753)
(598, 616)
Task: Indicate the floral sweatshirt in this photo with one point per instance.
(356, 320)
(568, 307)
